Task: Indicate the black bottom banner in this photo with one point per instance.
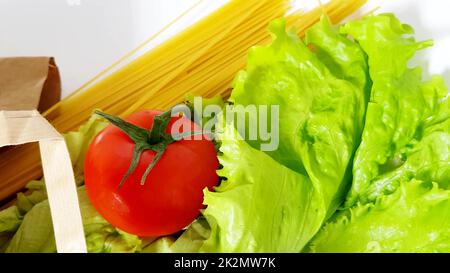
(219, 262)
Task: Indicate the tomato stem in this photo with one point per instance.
(134, 162)
(150, 167)
(158, 131)
(155, 139)
(137, 134)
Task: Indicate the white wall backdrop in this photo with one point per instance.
(85, 36)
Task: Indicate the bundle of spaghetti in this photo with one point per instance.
(201, 60)
(222, 67)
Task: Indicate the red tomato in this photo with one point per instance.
(172, 195)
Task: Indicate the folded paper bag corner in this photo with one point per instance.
(28, 83)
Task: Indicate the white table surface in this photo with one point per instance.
(86, 36)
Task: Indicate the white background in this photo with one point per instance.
(86, 36)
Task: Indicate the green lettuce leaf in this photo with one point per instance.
(415, 218)
(205, 102)
(343, 57)
(10, 220)
(160, 245)
(35, 194)
(406, 130)
(263, 206)
(426, 159)
(399, 200)
(275, 210)
(321, 109)
(193, 237)
(35, 233)
(275, 201)
(190, 240)
(78, 142)
(5, 238)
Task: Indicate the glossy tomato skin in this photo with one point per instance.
(172, 195)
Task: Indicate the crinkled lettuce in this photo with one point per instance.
(399, 200)
(415, 218)
(35, 233)
(193, 238)
(321, 108)
(275, 201)
(263, 206)
(190, 241)
(78, 143)
(10, 221)
(406, 130)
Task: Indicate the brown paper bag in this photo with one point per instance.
(27, 84)
(36, 80)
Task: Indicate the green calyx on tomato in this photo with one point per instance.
(155, 139)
